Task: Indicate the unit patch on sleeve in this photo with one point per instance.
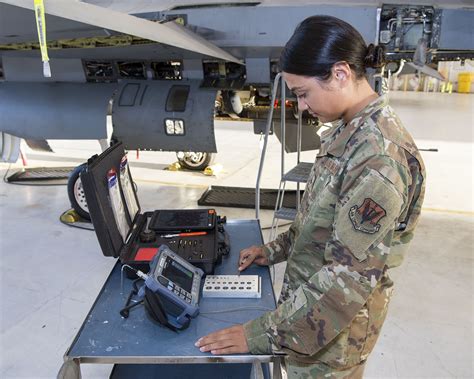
(365, 218)
(370, 209)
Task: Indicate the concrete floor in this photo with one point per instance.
(51, 274)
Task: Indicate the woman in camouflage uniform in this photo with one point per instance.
(357, 216)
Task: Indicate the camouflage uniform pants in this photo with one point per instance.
(345, 356)
(323, 371)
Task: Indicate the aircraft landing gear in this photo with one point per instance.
(196, 161)
(76, 192)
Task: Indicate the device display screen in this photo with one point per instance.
(178, 274)
(192, 219)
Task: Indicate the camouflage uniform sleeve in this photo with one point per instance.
(366, 215)
(278, 249)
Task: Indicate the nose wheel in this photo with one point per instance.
(76, 194)
(196, 161)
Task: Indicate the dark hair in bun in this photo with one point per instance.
(321, 41)
(375, 56)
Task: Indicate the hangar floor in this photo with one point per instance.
(51, 274)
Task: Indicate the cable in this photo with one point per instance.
(121, 275)
(269, 227)
(125, 311)
(220, 320)
(239, 309)
(140, 274)
(406, 31)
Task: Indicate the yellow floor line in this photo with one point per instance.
(450, 211)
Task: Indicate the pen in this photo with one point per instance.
(130, 234)
(190, 234)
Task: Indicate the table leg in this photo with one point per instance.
(279, 368)
(256, 372)
(70, 370)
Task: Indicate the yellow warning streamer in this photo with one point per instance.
(41, 25)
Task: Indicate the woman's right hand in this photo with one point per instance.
(252, 254)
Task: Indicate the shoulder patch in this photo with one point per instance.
(365, 217)
(370, 208)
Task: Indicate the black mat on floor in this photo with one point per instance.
(239, 197)
(40, 174)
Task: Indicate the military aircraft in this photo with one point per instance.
(157, 65)
(162, 70)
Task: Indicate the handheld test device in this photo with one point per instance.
(172, 289)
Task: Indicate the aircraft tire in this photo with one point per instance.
(76, 193)
(196, 161)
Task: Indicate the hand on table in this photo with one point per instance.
(232, 340)
(250, 255)
(225, 341)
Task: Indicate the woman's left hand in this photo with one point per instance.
(225, 341)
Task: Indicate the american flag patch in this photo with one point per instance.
(332, 165)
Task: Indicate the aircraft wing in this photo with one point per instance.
(167, 33)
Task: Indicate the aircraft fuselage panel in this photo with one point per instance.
(55, 110)
(165, 115)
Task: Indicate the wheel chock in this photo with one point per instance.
(176, 166)
(213, 170)
(70, 217)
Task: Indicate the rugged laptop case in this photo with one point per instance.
(199, 250)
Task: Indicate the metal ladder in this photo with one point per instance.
(298, 174)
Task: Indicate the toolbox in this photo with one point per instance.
(196, 235)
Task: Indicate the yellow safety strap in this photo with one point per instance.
(41, 25)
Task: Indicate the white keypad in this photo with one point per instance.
(243, 286)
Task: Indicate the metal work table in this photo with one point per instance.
(106, 337)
